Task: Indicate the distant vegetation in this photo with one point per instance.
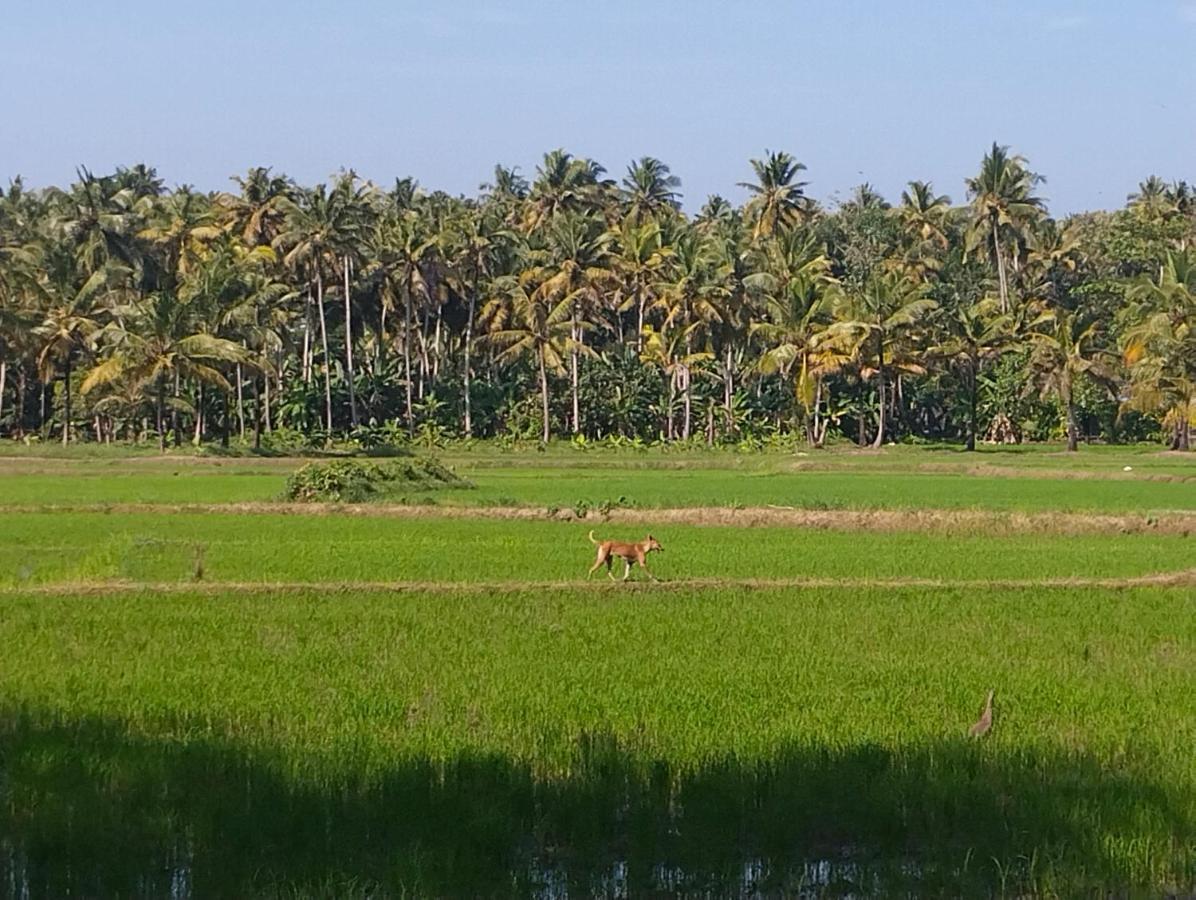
(574, 303)
(357, 481)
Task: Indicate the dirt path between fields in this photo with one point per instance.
(921, 520)
(1185, 578)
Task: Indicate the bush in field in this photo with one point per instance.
(358, 481)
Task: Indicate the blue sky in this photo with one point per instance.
(1098, 95)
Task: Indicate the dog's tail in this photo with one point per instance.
(593, 540)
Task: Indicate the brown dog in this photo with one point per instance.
(637, 552)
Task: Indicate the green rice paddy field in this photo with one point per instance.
(202, 695)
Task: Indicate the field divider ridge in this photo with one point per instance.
(948, 521)
(1182, 578)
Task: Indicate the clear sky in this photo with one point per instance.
(1097, 94)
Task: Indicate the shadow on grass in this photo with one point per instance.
(87, 809)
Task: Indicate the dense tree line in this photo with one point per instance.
(577, 304)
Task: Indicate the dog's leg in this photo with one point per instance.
(643, 561)
(627, 571)
(599, 561)
(610, 561)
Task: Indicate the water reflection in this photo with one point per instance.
(90, 811)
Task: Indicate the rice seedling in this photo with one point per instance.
(718, 741)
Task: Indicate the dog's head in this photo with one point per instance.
(652, 544)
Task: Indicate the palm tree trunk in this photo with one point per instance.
(1073, 428)
(18, 413)
(573, 375)
(266, 399)
(544, 433)
(1004, 284)
(728, 390)
(473, 294)
(687, 403)
(225, 424)
(241, 402)
(257, 409)
(174, 413)
(3, 384)
(198, 438)
(819, 422)
(425, 364)
(306, 367)
(687, 422)
(639, 326)
(324, 347)
(66, 401)
(407, 356)
(436, 345)
(973, 378)
(159, 404)
(349, 345)
(880, 394)
(671, 430)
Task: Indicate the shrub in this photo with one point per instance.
(359, 481)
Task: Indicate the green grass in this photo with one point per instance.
(502, 727)
(56, 547)
(471, 744)
(566, 486)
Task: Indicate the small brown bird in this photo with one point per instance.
(985, 722)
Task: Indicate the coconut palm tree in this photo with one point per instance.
(650, 189)
(538, 329)
(690, 300)
(256, 214)
(1003, 209)
(778, 200)
(882, 315)
(575, 270)
(970, 334)
(76, 306)
(564, 183)
(924, 217)
(161, 343)
(793, 279)
(321, 229)
(1159, 345)
(1066, 348)
(403, 246)
(640, 258)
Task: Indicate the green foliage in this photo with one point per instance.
(357, 481)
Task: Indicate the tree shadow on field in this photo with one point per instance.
(88, 810)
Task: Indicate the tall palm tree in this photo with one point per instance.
(795, 283)
(691, 301)
(924, 217)
(1066, 348)
(650, 189)
(256, 213)
(354, 204)
(778, 199)
(1003, 207)
(576, 270)
(564, 183)
(970, 334)
(539, 329)
(321, 230)
(640, 259)
(403, 246)
(76, 307)
(1159, 345)
(159, 344)
(882, 314)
